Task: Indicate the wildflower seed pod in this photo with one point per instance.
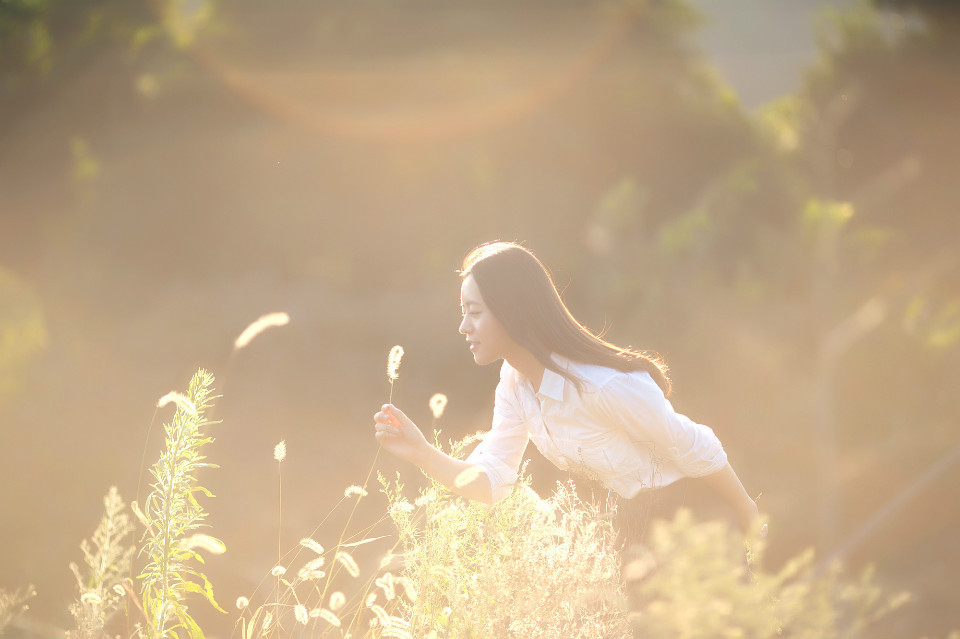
(328, 616)
(385, 583)
(381, 614)
(263, 323)
(437, 403)
(393, 362)
(354, 490)
(306, 542)
(301, 615)
(182, 402)
(409, 590)
(348, 563)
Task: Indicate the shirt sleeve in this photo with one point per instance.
(501, 451)
(635, 403)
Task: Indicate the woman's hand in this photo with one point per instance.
(399, 435)
(750, 522)
(728, 486)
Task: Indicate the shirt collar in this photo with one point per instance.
(552, 383)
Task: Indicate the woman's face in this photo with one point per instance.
(485, 334)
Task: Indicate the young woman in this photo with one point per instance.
(590, 407)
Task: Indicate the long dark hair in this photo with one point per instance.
(518, 290)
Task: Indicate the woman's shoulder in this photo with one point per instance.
(606, 379)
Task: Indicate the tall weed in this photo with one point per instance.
(172, 515)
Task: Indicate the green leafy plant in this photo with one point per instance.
(173, 515)
(106, 562)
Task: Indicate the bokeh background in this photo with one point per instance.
(766, 193)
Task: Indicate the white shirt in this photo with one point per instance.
(620, 430)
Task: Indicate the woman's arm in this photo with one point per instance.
(401, 437)
(726, 484)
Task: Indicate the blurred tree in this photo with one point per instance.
(44, 43)
(802, 265)
(881, 137)
(23, 332)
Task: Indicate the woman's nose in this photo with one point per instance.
(463, 326)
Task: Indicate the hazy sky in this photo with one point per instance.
(761, 46)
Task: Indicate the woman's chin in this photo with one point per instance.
(480, 360)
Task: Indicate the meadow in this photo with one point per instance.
(447, 568)
(171, 169)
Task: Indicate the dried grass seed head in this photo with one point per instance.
(260, 325)
(307, 542)
(182, 401)
(329, 617)
(348, 563)
(354, 491)
(437, 404)
(301, 614)
(393, 362)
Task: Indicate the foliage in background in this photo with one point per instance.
(694, 583)
(38, 37)
(107, 559)
(23, 331)
(172, 516)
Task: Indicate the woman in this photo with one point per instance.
(589, 406)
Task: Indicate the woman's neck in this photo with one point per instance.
(527, 365)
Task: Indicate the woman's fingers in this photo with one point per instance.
(394, 412)
(396, 433)
(383, 419)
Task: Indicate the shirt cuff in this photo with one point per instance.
(705, 465)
